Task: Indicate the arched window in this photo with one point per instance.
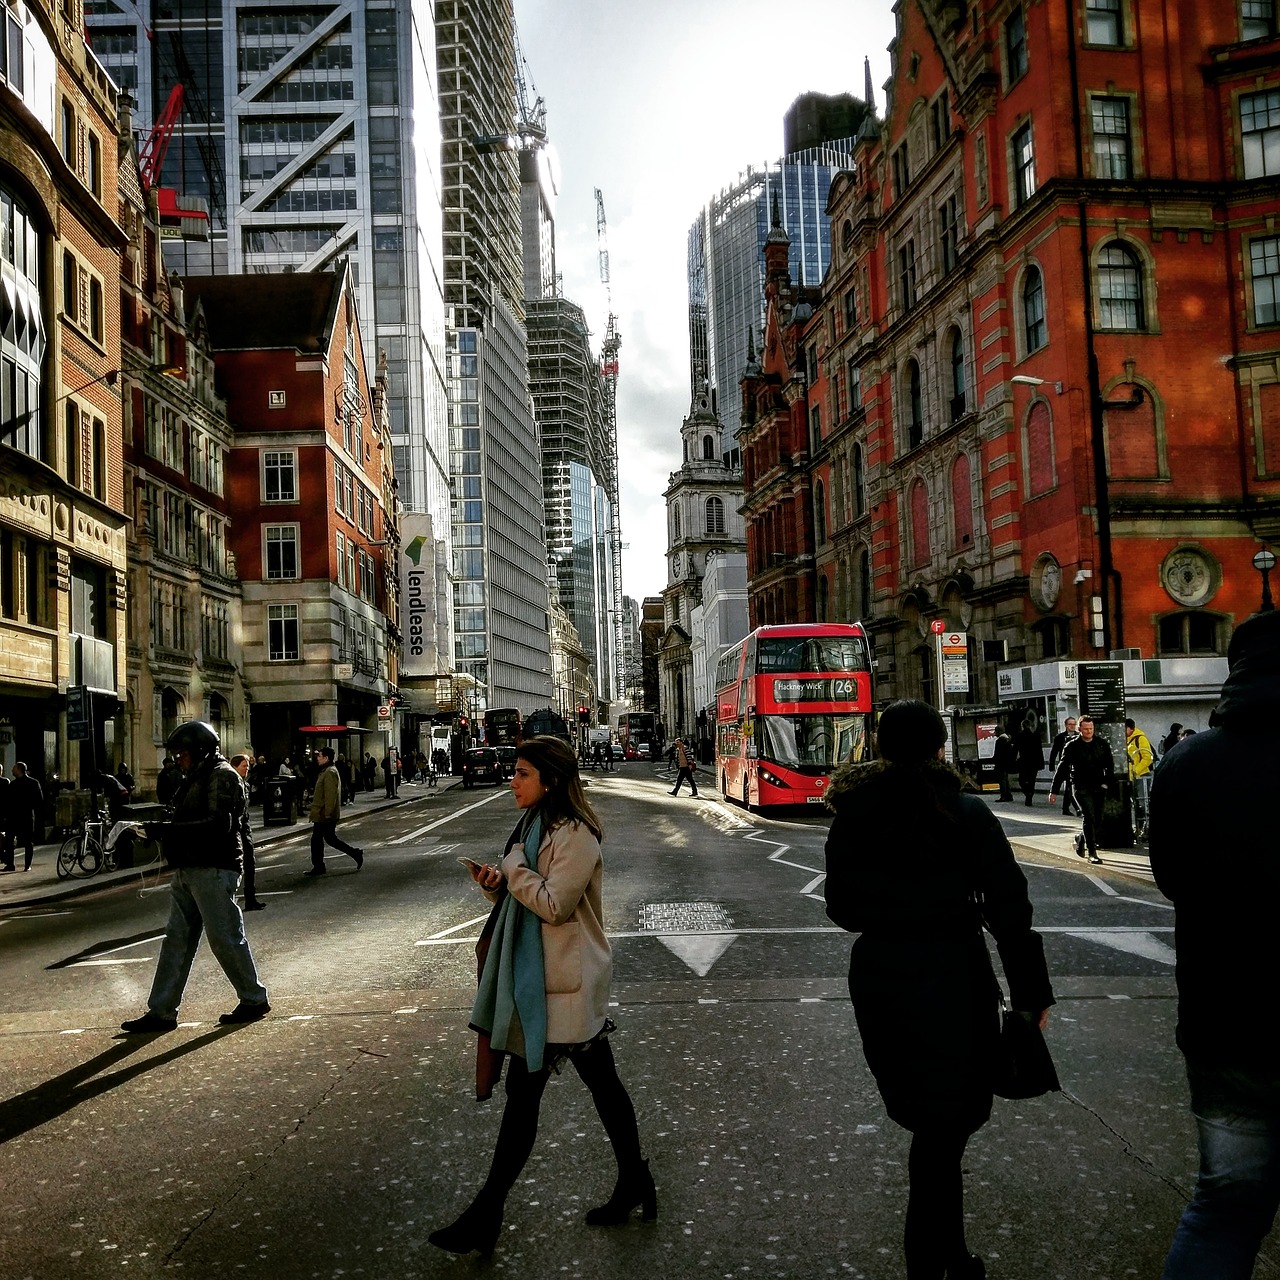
(864, 584)
(715, 515)
(1120, 303)
(913, 405)
(675, 521)
(919, 524)
(1136, 445)
(708, 448)
(1191, 632)
(1038, 447)
(961, 503)
(824, 598)
(1033, 324)
(958, 398)
(820, 513)
(859, 481)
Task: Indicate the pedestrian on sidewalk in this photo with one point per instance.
(684, 768)
(1087, 762)
(1210, 811)
(1068, 734)
(25, 823)
(1141, 758)
(1005, 760)
(168, 780)
(202, 842)
(389, 774)
(347, 778)
(544, 990)
(369, 771)
(924, 994)
(241, 764)
(326, 809)
(1030, 758)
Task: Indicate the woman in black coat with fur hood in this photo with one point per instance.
(909, 856)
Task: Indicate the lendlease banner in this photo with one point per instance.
(418, 595)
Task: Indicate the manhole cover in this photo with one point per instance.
(684, 917)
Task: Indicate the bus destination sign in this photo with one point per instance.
(815, 689)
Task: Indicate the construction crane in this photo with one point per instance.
(187, 218)
(609, 372)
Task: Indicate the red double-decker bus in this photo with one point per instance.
(792, 703)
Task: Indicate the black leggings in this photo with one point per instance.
(934, 1236)
(519, 1128)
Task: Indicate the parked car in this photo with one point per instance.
(507, 761)
(480, 764)
(643, 750)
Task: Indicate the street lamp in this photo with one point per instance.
(1264, 561)
(1111, 610)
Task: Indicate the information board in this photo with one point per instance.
(1100, 686)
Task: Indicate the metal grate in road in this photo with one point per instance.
(683, 917)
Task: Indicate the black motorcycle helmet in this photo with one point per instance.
(196, 736)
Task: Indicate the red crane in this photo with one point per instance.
(152, 153)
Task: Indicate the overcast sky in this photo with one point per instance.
(661, 104)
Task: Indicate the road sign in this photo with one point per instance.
(937, 626)
(78, 704)
(384, 714)
(953, 646)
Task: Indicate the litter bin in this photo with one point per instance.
(280, 802)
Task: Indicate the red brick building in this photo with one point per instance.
(1051, 337)
(308, 482)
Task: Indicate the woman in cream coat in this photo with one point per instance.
(555, 924)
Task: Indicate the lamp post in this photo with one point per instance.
(1110, 613)
(1264, 561)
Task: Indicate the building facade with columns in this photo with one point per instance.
(703, 499)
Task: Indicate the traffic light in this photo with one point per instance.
(582, 715)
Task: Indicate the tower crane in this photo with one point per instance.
(609, 373)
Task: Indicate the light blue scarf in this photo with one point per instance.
(511, 1000)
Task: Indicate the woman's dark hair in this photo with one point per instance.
(910, 732)
(557, 768)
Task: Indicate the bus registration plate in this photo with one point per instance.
(813, 799)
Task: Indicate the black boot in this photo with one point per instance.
(634, 1190)
(476, 1231)
(970, 1267)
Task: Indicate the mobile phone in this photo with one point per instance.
(472, 865)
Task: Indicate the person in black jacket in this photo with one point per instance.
(203, 843)
(1030, 758)
(25, 820)
(1060, 742)
(1214, 854)
(924, 993)
(1005, 760)
(1087, 762)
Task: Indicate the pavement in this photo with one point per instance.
(41, 884)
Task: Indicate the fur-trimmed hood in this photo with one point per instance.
(849, 778)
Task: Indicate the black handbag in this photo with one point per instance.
(1023, 1067)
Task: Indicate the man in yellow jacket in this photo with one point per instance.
(326, 808)
(1141, 758)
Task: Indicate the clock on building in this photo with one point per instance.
(675, 565)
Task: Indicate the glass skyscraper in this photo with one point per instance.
(726, 265)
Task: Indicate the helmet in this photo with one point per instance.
(196, 736)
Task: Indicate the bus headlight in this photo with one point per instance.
(771, 778)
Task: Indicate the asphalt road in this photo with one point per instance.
(331, 1138)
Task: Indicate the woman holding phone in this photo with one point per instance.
(917, 868)
(544, 990)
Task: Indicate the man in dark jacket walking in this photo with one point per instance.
(202, 841)
(25, 816)
(1213, 852)
(326, 809)
(1088, 763)
(1060, 742)
(1005, 760)
(1030, 758)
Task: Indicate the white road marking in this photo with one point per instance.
(413, 1008)
(1102, 884)
(1133, 941)
(449, 817)
(443, 935)
(698, 951)
(808, 890)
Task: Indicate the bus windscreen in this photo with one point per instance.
(788, 655)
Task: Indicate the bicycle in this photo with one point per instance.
(86, 853)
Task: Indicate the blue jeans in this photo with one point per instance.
(203, 899)
(1237, 1192)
